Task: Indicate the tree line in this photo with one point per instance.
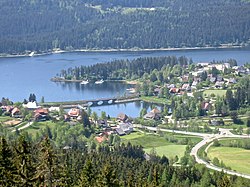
(125, 69)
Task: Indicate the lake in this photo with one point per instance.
(21, 76)
(132, 109)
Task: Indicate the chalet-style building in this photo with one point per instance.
(16, 113)
(174, 90)
(102, 123)
(41, 114)
(74, 113)
(154, 114)
(124, 128)
(122, 117)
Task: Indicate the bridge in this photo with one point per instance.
(93, 102)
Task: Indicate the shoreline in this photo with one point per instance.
(123, 50)
(58, 79)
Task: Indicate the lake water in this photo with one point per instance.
(132, 109)
(21, 76)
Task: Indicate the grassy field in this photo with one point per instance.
(160, 144)
(236, 158)
(169, 150)
(220, 93)
(4, 118)
(154, 99)
(38, 126)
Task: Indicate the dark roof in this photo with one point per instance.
(120, 131)
(122, 116)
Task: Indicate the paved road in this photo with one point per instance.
(23, 127)
(207, 138)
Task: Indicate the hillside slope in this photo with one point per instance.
(42, 25)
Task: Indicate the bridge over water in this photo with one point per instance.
(93, 102)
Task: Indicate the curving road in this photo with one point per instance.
(207, 138)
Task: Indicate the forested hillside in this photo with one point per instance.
(23, 163)
(41, 25)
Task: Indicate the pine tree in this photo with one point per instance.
(88, 177)
(7, 167)
(24, 160)
(107, 178)
(47, 169)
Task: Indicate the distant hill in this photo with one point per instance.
(41, 25)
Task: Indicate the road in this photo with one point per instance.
(207, 138)
(23, 127)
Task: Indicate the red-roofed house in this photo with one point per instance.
(16, 113)
(41, 114)
(74, 113)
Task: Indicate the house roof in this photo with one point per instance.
(74, 112)
(155, 111)
(15, 110)
(174, 90)
(126, 126)
(122, 116)
(120, 131)
(41, 111)
(101, 139)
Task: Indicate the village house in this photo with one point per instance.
(232, 80)
(174, 90)
(31, 105)
(7, 109)
(122, 117)
(154, 114)
(124, 128)
(219, 84)
(74, 113)
(41, 114)
(186, 87)
(102, 137)
(102, 123)
(206, 106)
(16, 113)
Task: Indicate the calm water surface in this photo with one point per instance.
(132, 109)
(24, 75)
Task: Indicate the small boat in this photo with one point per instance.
(99, 82)
(131, 90)
(84, 82)
(32, 53)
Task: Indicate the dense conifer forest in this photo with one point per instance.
(25, 163)
(41, 25)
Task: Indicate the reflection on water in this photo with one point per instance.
(132, 109)
(95, 91)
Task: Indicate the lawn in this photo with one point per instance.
(38, 126)
(4, 118)
(147, 140)
(169, 150)
(154, 99)
(220, 93)
(236, 158)
(160, 144)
